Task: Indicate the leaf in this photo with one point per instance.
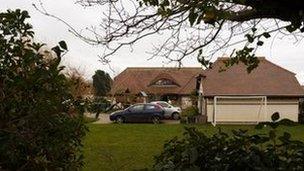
(273, 125)
(266, 35)
(192, 17)
(287, 135)
(291, 28)
(57, 50)
(250, 38)
(260, 126)
(210, 17)
(260, 43)
(287, 122)
(272, 134)
(285, 138)
(63, 45)
(275, 116)
(166, 3)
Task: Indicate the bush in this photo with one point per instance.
(99, 104)
(41, 125)
(190, 111)
(240, 151)
(301, 118)
(301, 110)
(188, 115)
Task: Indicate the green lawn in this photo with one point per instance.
(132, 146)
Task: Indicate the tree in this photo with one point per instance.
(101, 82)
(194, 27)
(41, 124)
(79, 86)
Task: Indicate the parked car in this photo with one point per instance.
(139, 113)
(170, 111)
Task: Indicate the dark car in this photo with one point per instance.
(139, 113)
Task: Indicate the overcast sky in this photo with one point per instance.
(85, 57)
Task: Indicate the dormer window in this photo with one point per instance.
(164, 83)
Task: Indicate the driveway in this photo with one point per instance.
(104, 119)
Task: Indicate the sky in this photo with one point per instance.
(84, 57)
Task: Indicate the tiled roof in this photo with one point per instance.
(140, 79)
(267, 79)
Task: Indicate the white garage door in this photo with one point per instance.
(237, 110)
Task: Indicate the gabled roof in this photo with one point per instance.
(140, 79)
(267, 79)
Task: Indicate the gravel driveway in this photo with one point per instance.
(104, 119)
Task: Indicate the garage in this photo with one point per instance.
(236, 96)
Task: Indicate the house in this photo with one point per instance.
(143, 84)
(235, 96)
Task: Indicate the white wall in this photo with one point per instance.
(186, 101)
(251, 110)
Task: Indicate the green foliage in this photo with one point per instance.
(143, 141)
(102, 83)
(301, 114)
(202, 59)
(190, 111)
(98, 105)
(188, 115)
(41, 125)
(214, 13)
(239, 151)
(245, 56)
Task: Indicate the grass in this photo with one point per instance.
(132, 146)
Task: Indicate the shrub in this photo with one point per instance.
(240, 151)
(99, 104)
(41, 125)
(188, 114)
(301, 110)
(190, 111)
(301, 118)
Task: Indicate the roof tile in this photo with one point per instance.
(140, 79)
(267, 79)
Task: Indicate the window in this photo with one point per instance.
(137, 108)
(164, 82)
(162, 104)
(150, 107)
